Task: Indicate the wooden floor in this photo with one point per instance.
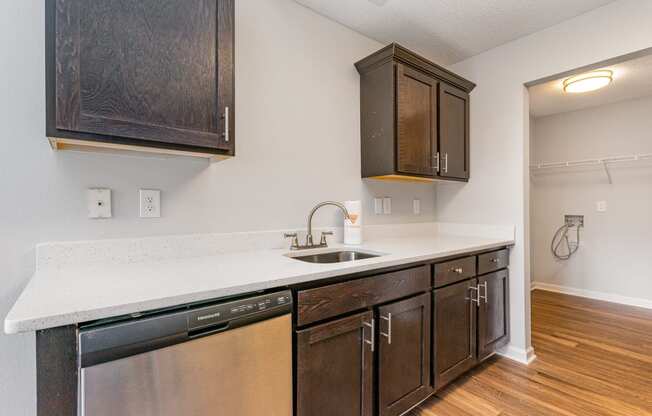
(594, 358)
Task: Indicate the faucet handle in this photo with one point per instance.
(295, 240)
(323, 241)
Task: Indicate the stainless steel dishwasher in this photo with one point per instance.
(224, 359)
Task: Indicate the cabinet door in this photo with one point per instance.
(416, 113)
(334, 368)
(454, 350)
(403, 354)
(454, 132)
(153, 70)
(493, 314)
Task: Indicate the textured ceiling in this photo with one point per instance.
(632, 79)
(449, 31)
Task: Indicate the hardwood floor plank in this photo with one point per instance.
(594, 359)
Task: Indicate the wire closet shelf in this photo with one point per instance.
(605, 162)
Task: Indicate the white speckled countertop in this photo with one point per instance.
(64, 292)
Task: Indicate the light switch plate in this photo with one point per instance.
(99, 203)
(387, 206)
(378, 206)
(416, 206)
(150, 203)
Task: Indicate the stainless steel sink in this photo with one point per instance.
(335, 256)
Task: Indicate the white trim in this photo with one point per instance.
(518, 354)
(607, 297)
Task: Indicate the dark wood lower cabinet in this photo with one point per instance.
(454, 340)
(334, 368)
(403, 354)
(493, 312)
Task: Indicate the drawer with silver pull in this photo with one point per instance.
(490, 262)
(454, 271)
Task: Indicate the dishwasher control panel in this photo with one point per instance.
(225, 312)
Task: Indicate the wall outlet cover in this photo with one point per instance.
(99, 203)
(150, 203)
(601, 206)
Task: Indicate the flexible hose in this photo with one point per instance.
(562, 235)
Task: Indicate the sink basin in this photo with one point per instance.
(335, 256)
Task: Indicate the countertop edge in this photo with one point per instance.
(17, 326)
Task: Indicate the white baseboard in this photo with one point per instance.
(607, 297)
(519, 355)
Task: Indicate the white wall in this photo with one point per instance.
(499, 145)
(298, 143)
(614, 256)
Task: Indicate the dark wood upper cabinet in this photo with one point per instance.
(454, 132)
(454, 336)
(493, 312)
(142, 74)
(334, 368)
(414, 118)
(403, 354)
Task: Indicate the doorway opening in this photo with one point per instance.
(590, 226)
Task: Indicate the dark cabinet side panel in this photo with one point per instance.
(57, 373)
(493, 315)
(334, 368)
(416, 118)
(404, 354)
(454, 132)
(454, 334)
(377, 94)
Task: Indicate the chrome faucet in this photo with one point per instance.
(309, 238)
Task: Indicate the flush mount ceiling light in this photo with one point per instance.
(590, 81)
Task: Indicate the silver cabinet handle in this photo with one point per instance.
(486, 293)
(494, 260)
(475, 300)
(388, 318)
(436, 159)
(445, 169)
(457, 270)
(227, 122)
(372, 326)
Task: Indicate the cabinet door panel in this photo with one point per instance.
(454, 321)
(334, 368)
(454, 132)
(493, 318)
(145, 69)
(404, 354)
(416, 140)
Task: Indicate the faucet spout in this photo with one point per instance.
(309, 238)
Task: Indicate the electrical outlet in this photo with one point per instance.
(99, 203)
(416, 206)
(150, 203)
(387, 206)
(601, 206)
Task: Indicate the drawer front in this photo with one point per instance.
(454, 271)
(490, 262)
(333, 300)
